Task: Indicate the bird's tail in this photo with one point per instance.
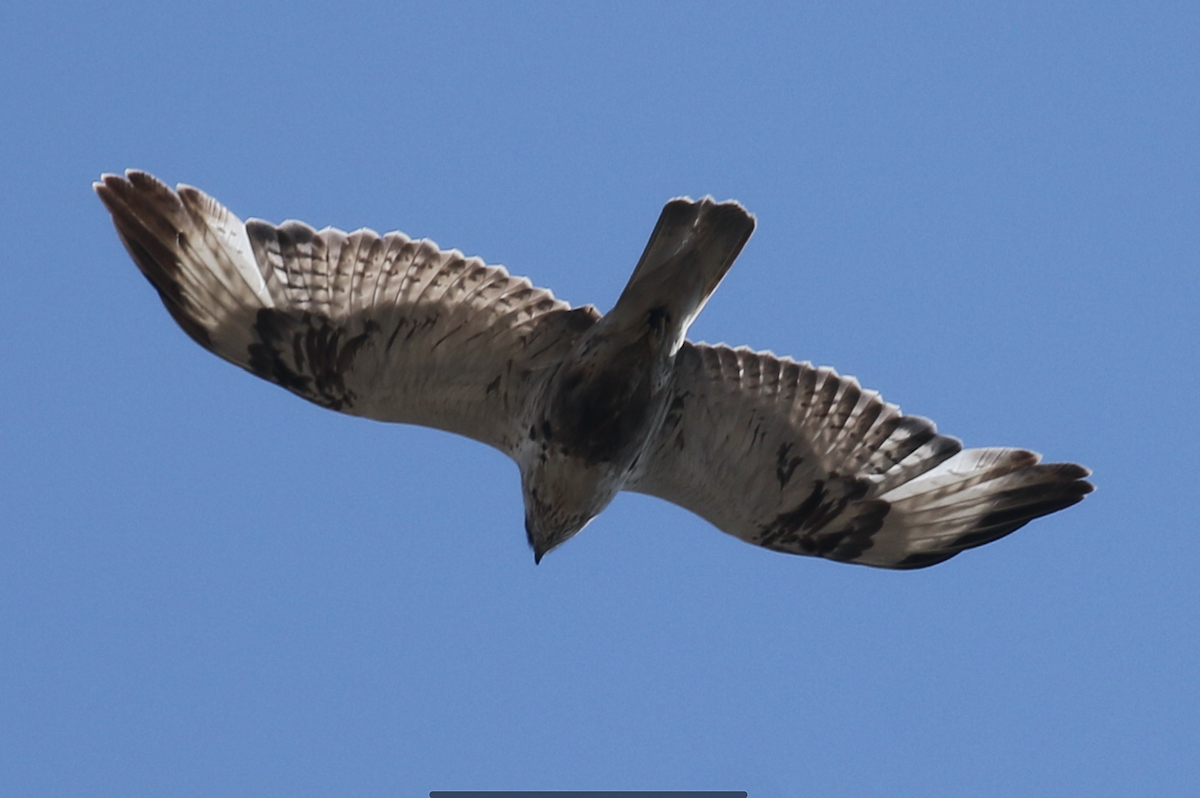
(973, 498)
(692, 247)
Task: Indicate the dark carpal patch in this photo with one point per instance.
(307, 355)
(857, 533)
(833, 521)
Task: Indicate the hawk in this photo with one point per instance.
(776, 452)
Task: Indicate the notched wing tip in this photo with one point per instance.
(134, 181)
(144, 180)
(109, 183)
(1069, 476)
(111, 189)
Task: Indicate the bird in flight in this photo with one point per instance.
(776, 452)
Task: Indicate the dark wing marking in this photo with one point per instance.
(801, 460)
(377, 326)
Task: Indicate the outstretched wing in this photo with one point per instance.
(377, 326)
(801, 460)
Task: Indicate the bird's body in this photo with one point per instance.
(778, 453)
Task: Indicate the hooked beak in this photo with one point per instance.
(538, 551)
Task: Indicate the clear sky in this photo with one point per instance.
(209, 587)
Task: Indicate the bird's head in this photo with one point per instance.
(561, 497)
(545, 533)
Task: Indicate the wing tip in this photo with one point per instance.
(136, 178)
(1001, 491)
(109, 185)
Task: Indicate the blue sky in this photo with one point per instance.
(990, 213)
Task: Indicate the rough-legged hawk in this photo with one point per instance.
(778, 453)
